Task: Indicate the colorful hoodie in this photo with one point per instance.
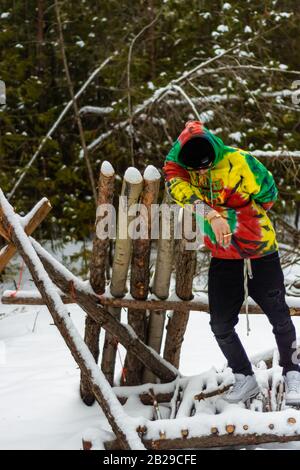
(237, 185)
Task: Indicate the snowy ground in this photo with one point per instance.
(40, 406)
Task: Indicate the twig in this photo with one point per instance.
(130, 116)
(76, 110)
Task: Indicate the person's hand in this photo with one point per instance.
(220, 228)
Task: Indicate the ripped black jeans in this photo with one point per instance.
(226, 296)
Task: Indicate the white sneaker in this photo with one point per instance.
(245, 387)
(292, 388)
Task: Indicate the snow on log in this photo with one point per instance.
(30, 222)
(140, 270)
(85, 297)
(131, 189)
(199, 303)
(98, 266)
(122, 425)
(161, 286)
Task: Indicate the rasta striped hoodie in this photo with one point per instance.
(237, 185)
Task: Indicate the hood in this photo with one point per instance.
(196, 129)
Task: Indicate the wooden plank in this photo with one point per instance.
(37, 215)
(180, 305)
(210, 441)
(97, 272)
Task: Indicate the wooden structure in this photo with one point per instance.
(147, 306)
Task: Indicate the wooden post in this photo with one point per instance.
(161, 285)
(97, 270)
(131, 190)
(140, 270)
(32, 221)
(90, 303)
(101, 389)
(186, 261)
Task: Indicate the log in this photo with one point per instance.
(213, 393)
(97, 271)
(131, 189)
(160, 288)
(89, 302)
(101, 389)
(181, 305)
(213, 440)
(33, 220)
(186, 261)
(140, 270)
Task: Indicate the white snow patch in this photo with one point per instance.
(107, 168)
(151, 173)
(133, 176)
(222, 28)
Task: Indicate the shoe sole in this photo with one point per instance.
(253, 394)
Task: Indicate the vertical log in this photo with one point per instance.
(161, 285)
(97, 270)
(186, 261)
(140, 272)
(131, 190)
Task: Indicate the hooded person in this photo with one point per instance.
(236, 185)
(235, 191)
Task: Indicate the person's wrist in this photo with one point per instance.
(213, 215)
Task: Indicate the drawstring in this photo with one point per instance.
(247, 272)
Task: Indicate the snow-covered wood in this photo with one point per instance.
(30, 222)
(199, 302)
(140, 269)
(98, 264)
(131, 189)
(84, 296)
(160, 286)
(123, 427)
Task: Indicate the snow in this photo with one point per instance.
(222, 28)
(133, 176)
(40, 407)
(151, 173)
(236, 136)
(96, 110)
(226, 6)
(82, 350)
(107, 168)
(4, 15)
(247, 30)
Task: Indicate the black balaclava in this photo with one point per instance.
(197, 153)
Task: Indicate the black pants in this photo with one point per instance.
(226, 296)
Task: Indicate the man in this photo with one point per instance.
(235, 191)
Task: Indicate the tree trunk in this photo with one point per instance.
(97, 272)
(131, 190)
(185, 270)
(140, 275)
(161, 285)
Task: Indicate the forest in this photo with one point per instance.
(234, 65)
